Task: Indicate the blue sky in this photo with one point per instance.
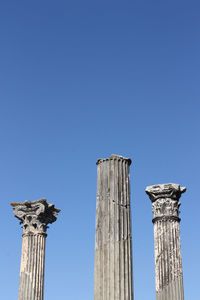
(81, 80)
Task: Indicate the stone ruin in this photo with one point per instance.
(113, 276)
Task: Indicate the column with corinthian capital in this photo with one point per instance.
(168, 260)
(34, 217)
(113, 240)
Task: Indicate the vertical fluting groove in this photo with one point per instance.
(113, 257)
(103, 233)
(109, 228)
(40, 266)
(25, 273)
(101, 237)
(38, 273)
(22, 284)
(175, 237)
(106, 208)
(172, 255)
(37, 269)
(126, 236)
(101, 240)
(115, 227)
(40, 279)
(165, 254)
(34, 266)
(124, 229)
(28, 273)
(126, 233)
(161, 260)
(158, 264)
(126, 208)
(31, 265)
(27, 270)
(118, 208)
(175, 262)
(112, 218)
(175, 257)
(122, 238)
(169, 258)
(121, 198)
(130, 240)
(43, 265)
(122, 285)
(34, 269)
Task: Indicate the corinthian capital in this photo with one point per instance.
(36, 215)
(165, 199)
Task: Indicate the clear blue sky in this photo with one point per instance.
(81, 80)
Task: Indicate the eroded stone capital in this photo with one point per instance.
(35, 215)
(165, 199)
(114, 157)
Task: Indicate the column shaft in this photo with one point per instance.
(169, 276)
(31, 285)
(113, 242)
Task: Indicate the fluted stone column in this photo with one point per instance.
(34, 217)
(168, 261)
(113, 241)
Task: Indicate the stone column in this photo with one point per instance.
(168, 261)
(113, 241)
(34, 217)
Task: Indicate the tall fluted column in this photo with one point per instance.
(113, 241)
(34, 217)
(168, 261)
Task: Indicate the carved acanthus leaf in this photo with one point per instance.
(36, 215)
(165, 199)
(165, 207)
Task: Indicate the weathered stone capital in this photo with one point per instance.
(114, 157)
(165, 199)
(35, 215)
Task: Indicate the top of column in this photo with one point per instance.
(163, 191)
(35, 215)
(165, 200)
(114, 157)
